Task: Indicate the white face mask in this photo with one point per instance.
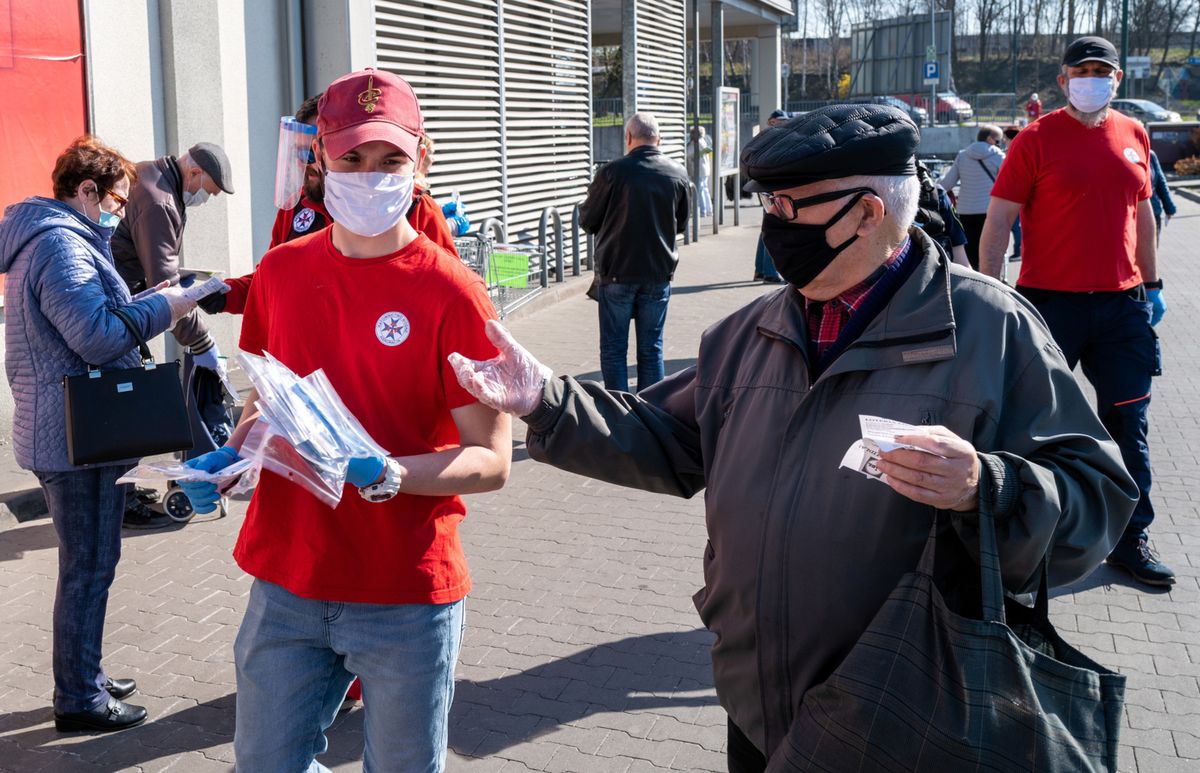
(1088, 95)
(368, 203)
(195, 199)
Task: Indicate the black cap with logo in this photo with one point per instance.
(1091, 48)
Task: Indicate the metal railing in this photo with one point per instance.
(516, 272)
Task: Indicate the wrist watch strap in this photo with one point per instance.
(386, 488)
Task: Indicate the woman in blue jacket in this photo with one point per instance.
(59, 295)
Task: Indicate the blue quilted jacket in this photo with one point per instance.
(59, 294)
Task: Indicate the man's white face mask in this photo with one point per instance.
(367, 203)
(1089, 95)
(199, 196)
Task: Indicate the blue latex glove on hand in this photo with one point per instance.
(364, 471)
(204, 496)
(210, 359)
(1160, 306)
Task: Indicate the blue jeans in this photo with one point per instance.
(646, 305)
(86, 507)
(296, 657)
(1016, 232)
(763, 265)
(1110, 335)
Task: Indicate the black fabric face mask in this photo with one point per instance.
(799, 250)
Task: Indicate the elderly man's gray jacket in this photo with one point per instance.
(801, 554)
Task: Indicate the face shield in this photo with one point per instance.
(293, 155)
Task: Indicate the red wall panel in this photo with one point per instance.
(42, 92)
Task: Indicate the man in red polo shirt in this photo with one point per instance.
(1080, 179)
(375, 586)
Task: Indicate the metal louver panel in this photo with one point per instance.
(454, 67)
(661, 75)
(547, 72)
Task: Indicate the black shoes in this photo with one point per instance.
(111, 717)
(120, 688)
(138, 516)
(773, 280)
(1143, 563)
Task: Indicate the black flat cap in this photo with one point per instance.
(1091, 49)
(835, 141)
(779, 113)
(212, 159)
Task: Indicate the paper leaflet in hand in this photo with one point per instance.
(878, 436)
(305, 433)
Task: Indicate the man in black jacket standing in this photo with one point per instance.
(635, 207)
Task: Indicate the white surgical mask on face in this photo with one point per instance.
(367, 203)
(1088, 95)
(196, 198)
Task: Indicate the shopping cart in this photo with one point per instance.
(514, 273)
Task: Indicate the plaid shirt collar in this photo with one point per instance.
(827, 319)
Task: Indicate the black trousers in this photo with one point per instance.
(973, 225)
(744, 757)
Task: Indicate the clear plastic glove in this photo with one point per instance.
(181, 305)
(204, 496)
(1158, 304)
(364, 471)
(511, 382)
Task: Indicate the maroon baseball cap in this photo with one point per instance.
(366, 106)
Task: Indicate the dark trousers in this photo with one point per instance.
(646, 305)
(1109, 334)
(743, 756)
(973, 225)
(86, 507)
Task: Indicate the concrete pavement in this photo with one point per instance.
(583, 651)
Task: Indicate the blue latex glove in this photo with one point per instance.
(1160, 306)
(204, 496)
(364, 471)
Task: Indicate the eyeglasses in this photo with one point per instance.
(118, 198)
(785, 207)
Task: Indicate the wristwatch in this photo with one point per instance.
(386, 488)
(1155, 285)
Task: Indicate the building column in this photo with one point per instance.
(629, 52)
(338, 38)
(768, 73)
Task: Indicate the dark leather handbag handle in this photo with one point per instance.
(143, 349)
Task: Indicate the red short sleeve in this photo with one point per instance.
(1018, 172)
(462, 331)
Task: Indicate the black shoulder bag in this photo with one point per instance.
(113, 415)
(925, 689)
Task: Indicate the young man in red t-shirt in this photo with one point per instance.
(1080, 179)
(309, 216)
(375, 586)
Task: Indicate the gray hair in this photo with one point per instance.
(899, 194)
(642, 126)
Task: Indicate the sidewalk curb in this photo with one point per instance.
(20, 506)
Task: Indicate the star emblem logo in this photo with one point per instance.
(392, 328)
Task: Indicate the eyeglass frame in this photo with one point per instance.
(123, 201)
(770, 201)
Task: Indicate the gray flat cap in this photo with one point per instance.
(835, 141)
(212, 159)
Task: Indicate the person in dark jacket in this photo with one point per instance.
(146, 247)
(874, 321)
(59, 297)
(635, 207)
(1161, 200)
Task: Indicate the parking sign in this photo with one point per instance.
(932, 73)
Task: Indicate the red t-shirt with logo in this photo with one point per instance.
(381, 328)
(310, 216)
(1078, 188)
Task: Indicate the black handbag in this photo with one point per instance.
(925, 689)
(114, 415)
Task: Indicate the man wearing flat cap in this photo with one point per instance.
(147, 243)
(874, 321)
(1080, 180)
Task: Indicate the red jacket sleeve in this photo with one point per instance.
(239, 291)
(279, 231)
(426, 216)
